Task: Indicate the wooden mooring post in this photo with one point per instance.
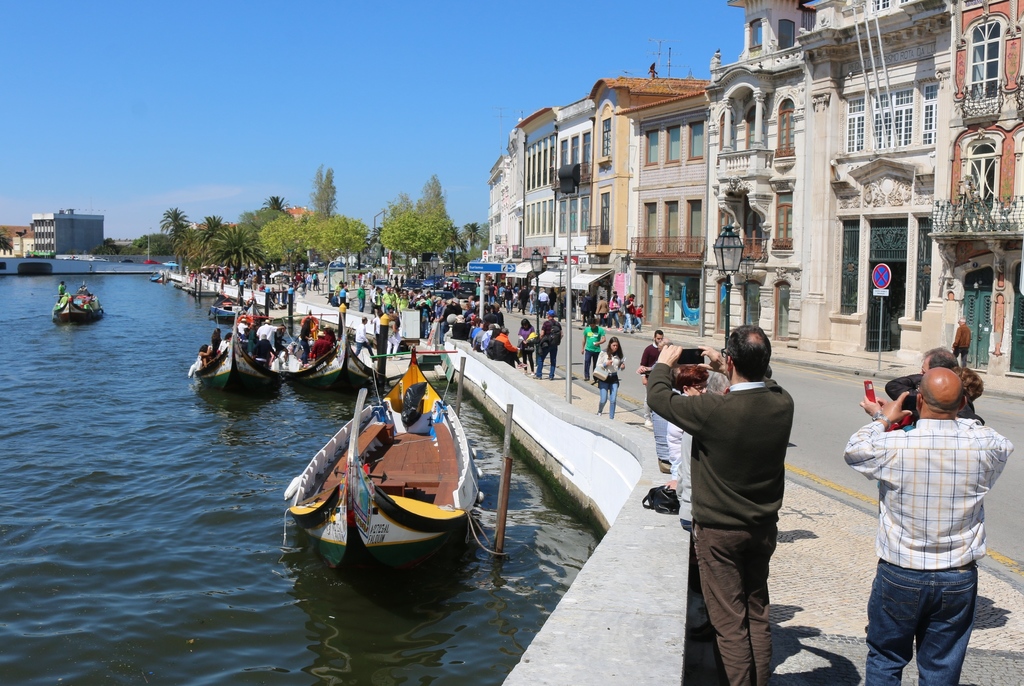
(506, 477)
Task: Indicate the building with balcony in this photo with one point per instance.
(758, 154)
(575, 133)
(67, 233)
(538, 134)
(978, 218)
(669, 244)
(502, 223)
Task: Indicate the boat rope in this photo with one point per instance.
(473, 524)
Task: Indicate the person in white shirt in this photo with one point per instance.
(360, 334)
(266, 329)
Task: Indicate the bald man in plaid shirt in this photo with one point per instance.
(932, 480)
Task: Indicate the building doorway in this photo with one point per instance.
(978, 313)
(888, 246)
(1017, 332)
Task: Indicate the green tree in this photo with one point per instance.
(237, 246)
(6, 244)
(276, 203)
(324, 197)
(472, 233)
(339, 235)
(174, 223)
(257, 219)
(284, 238)
(107, 247)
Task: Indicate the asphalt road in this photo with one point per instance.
(828, 413)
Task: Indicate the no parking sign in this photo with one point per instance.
(881, 277)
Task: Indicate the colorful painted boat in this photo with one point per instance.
(339, 370)
(81, 308)
(157, 278)
(410, 479)
(220, 371)
(252, 375)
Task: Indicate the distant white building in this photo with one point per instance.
(67, 233)
(502, 224)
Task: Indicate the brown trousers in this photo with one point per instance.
(734, 577)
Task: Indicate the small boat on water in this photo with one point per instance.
(81, 308)
(220, 371)
(253, 375)
(225, 309)
(338, 370)
(157, 278)
(399, 475)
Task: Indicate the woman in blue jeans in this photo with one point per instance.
(611, 360)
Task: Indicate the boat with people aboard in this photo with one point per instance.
(79, 308)
(337, 369)
(255, 370)
(219, 372)
(398, 481)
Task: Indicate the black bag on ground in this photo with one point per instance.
(662, 499)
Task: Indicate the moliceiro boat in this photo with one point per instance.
(340, 369)
(399, 476)
(81, 308)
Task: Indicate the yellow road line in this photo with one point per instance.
(1007, 562)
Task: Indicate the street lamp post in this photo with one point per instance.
(728, 251)
(433, 265)
(537, 265)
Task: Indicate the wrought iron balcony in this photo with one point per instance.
(756, 249)
(599, 235)
(970, 214)
(669, 248)
(982, 100)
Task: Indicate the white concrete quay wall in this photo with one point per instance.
(623, 619)
(604, 469)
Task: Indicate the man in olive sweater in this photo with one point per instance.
(738, 478)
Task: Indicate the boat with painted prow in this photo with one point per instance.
(410, 479)
(340, 369)
(81, 308)
(220, 371)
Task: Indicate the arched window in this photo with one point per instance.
(985, 57)
(786, 145)
(787, 34)
(784, 222)
(983, 167)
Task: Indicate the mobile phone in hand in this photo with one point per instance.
(869, 391)
(691, 356)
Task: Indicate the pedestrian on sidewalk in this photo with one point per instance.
(738, 475)
(527, 342)
(931, 528)
(593, 339)
(611, 361)
(647, 360)
(550, 337)
(962, 342)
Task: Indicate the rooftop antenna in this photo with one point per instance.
(501, 127)
(657, 55)
(668, 66)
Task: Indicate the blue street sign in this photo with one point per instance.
(881, 276)
(491, 268)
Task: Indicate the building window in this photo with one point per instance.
(682, 300)
(782, 311)
(784, 220)
(924, 266)
(787, 34)
(786, 144)
(695, 219)
(572, 215)
(985, 42)
(585, 213)
(652, 147)
(894, 125)
(606, 138)
(565, 152)
(672, 219)
(850, 266)
(561, 217)
(752, 302)
(575, 159)
(755, 34)
(650, 214)
(586, 147)
(606, 218)
(673, 144)
(855, 125)
(878, 5)
(696, 140)
(928, 117)
(983, 167)
(546, 166)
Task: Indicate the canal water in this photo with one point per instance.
(143, 529)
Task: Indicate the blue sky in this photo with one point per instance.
(130, 108)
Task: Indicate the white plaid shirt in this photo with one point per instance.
(931, 483)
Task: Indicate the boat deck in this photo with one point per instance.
(418, 468)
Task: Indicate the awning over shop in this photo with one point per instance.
(582, 281)
(523, 270)
(555, 278)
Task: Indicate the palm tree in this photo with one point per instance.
(6, 245)
(276, 202)
(472, 233)
(174, 223)
(237, 245)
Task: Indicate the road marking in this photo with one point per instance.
(1007, 562)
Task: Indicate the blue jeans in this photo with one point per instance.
(609, 391)
(935, 609)
(589, 359)
(627, 322)
(661, 448)
(541, 354)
